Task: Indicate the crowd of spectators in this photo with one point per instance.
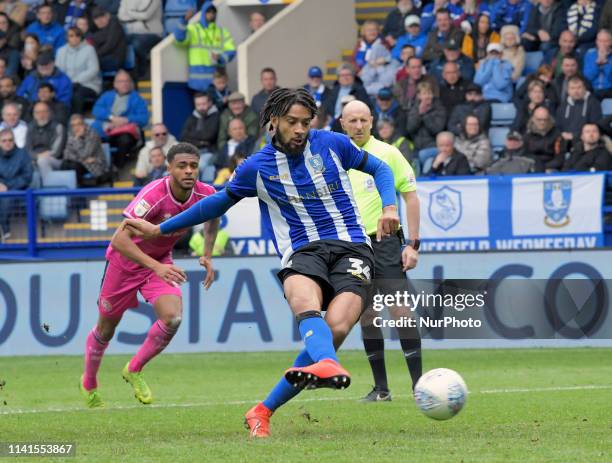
(431, 74)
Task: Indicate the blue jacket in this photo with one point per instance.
(466, 67)
(504, 13)
(52, 34)
(495, 78)
(418, 42)
(136, 111)
(16, 169)
(428, 18)
(60, 82)
(600, 75)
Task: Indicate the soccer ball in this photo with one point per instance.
(440, 394)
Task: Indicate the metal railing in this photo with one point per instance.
(61, 218)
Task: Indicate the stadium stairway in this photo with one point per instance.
(373, 9)
(144, 89)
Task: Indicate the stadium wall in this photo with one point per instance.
(306, 33)
(48, 308)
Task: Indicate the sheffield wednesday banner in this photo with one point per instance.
(507, 213)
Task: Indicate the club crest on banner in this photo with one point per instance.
(445, 207)
(556, 202)
(316, 162)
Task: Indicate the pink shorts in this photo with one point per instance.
(120, 287)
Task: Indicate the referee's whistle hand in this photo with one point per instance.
(410, 258)
(388, 223)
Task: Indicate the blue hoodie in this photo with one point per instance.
(50, 34)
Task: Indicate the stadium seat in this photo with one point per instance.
(533, 59)
(55, 208)
(606, 106)
(497, 137)
(427, 153)
(174, 11)
(128, 64)
(521, 80)
(502, 114)
(427, 166)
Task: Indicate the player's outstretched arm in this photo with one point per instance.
(204, 210)
(385, 184)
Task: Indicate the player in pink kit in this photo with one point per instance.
(134, 265)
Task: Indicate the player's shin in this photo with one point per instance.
(374, 345)
(410, 340)
(317, 336)
(94, 351)
(158, 337)
(283, 392)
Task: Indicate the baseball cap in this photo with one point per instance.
(452, 44)
(472, 87)
(44, 59)
(315, 71)
(235, 96)
(97, 12)
(411, 19)
(494, 47)
(385, 94)
(514, 135)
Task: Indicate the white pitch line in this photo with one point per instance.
(313, 399)
(545, 389)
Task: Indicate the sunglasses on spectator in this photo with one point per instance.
(160, 134)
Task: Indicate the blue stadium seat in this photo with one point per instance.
(520, 81)
(107, 154)
(606, 106)
(427, 153)
(533, 59)
(502, 114)
(55, 208)
(128, 64)
(497, 137)
(174, 11)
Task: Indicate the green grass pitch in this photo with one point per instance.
(525, 405)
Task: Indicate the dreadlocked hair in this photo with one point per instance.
(280, 101)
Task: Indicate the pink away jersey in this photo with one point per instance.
(155, 203)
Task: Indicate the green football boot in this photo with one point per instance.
(141, 389)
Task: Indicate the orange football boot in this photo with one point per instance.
(325, 373)
(257, 420)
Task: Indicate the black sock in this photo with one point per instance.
(374, 345)
(410, 339)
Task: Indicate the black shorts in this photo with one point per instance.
(337, 266)
(388, 265)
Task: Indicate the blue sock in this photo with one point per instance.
(283, 392)
(318, 339)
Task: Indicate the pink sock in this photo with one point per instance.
(94, 351)
(157, 339)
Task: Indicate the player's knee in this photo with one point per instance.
(340, 331)
(106, 331)
(302, 302)
(173, 322)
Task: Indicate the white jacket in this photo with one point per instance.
(81, 65)
(141, 16)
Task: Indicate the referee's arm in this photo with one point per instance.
(412, 213)
(409, 255)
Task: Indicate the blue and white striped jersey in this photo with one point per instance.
(304, 198)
